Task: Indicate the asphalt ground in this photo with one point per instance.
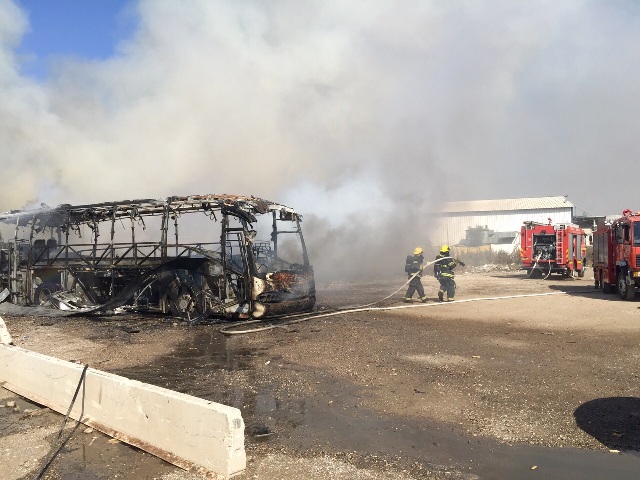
(518, 378)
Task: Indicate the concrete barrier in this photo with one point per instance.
(192, 433)
(5, 337)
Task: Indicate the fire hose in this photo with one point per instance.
(229, 330)
(535, 265)
(404, 284)
(307, 316)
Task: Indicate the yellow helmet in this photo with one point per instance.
(417, 251)
(444, 249)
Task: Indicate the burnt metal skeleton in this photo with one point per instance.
(194, 257)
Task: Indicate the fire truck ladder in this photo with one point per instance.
(560, 246)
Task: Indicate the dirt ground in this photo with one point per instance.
(518, 378)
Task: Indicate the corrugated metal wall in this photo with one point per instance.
(451, 228)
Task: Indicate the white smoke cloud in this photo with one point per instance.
(376, 108)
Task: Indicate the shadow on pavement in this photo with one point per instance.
(581, 288)
(571, 285)
(614, 421)
(589, 291)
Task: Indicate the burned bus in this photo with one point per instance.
(194, 257)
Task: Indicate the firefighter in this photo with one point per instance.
(413, 268)
(443, 271)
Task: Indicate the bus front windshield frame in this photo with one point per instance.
(278, 244)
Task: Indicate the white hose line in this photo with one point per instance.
(398, 307)
(549, 271)
(248, 322)
(403, 285)
(535, 265)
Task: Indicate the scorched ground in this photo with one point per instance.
(532, 385)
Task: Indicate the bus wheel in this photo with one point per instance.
(186, 299)
(44, 290)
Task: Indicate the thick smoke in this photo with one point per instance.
(362, 114)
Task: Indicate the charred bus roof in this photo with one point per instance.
(241, 206)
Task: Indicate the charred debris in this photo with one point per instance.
(195, 257)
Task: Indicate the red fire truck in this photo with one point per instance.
(616, 255)
(547, 249)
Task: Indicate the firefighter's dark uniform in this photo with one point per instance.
(414, 267)
(443, 271)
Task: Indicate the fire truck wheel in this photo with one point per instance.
(626, 292)
(581, 273)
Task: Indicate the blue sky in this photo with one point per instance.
(88, 29)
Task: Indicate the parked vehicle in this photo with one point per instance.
(193, 257)
(547, 249)
(616, 255)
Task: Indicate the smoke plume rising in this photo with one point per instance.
(361, 115)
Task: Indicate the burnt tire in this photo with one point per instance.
(626, 291)
(186, 299)
(44, 291)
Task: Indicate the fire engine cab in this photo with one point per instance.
(616, 255)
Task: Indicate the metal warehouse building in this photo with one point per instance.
(494, 222)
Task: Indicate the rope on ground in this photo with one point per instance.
(56, 447)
